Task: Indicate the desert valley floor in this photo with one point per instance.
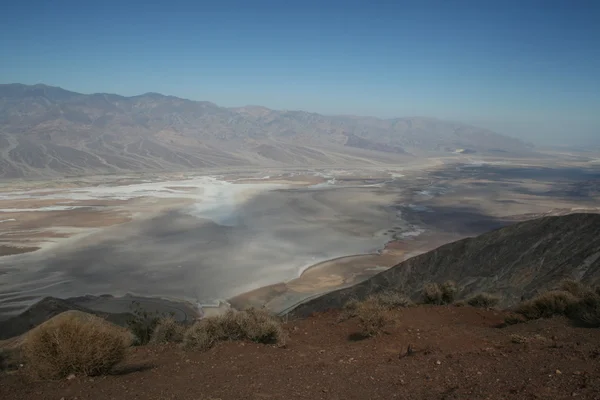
(269, 237)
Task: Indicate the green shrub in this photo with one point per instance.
(483, 300)
(252, 324)
(546, 305)
(167, 330)
(74, 343)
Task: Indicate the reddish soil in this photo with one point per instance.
(459, 353)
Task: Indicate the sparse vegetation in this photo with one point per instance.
(483, 300)
(432, 294)
(8, 359)
(372, 318)
(449, 291)
(167, 330)
(574, 287)
(143, 323)
(439, 294)
(575, 301)
(514, 319)
(546, 305)
(586, 311)
(252, 324)
(390, 300)
(74, 343)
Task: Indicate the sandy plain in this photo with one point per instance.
(269, 238)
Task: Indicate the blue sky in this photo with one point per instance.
(525, 68)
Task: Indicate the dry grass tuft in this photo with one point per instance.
(252, 324)
(74, 343)
(546, 305)
(483, 300)
(167, 330)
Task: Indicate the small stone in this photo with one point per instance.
(71, 377)
(438, 362)
(478, 372)
(558, 372)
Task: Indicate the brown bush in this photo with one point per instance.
(574, 287)
(439, 294)
(167, 330)
(372, 318)
(546, 305)
(432, 294)
(74, 343)
(390, 300)
(483, 300)
(252, 324)
(513, 319)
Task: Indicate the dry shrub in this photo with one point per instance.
(167, 330)
(546, 305)
(483, 300)
(74, 343)
(449, 291)
(574, 287)
(513, 319)
(9, 359)
(252, 324)
(390, 300)
(439, 294)
(372, 318)
(519, 339)
(586, 311)
(432, 294)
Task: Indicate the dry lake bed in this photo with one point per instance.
(265, 237)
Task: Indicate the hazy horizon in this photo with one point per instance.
(524, 70)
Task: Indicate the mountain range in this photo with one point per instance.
(47, 131)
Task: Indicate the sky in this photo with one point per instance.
(525, 68)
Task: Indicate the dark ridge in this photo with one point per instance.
(513, 262)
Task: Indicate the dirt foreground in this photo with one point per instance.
(458, 353)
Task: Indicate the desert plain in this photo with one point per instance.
(267, 237)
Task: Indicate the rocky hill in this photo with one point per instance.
(514, 262)
(47, 131)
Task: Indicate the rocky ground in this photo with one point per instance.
(457, 353)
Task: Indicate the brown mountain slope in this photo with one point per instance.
(45, 131)
(514, 262)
